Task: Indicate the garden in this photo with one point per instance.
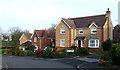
(112, 56)
(47, 53)
(51, 53)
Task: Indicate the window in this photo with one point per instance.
(80, 31)
(35, 39)
(94, 43)
(93, 31)
(72, 41)
(62, 31)
(62, 42)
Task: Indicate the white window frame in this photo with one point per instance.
(77, 43)
(96, 46)
(93, 29)
(72, 41)
(82, 43)
(62, 44)
(61, 31)
(80, 31)
(35, 39)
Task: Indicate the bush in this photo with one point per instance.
(8, 52)
(115, 54)
(30, 53)
(39, 53)
(63, 50)
(74, 47)
(31, 48)
(47, 53)
(17, 51)
(81, 52)
(23, 53)
(4, 50)
(105, 62)
(106, 56)
(58, 54)
(107, 45)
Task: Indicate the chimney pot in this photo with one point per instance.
(108, 9)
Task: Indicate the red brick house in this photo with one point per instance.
(116, 33)
(84, 32)
(43, 38)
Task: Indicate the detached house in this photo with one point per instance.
(25, 40)
(116, 33)
(43, 38)
(84, 32)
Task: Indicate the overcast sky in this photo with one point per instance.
(40, 14)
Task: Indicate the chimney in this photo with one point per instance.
(109, 29)
(45, 33)
(108, 12)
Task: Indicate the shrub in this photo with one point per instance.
(17, 51)
(115, 54)
(63, 50)
(105, 62)
(58, 54)
(106, 56)
(4, 50)
(61, 54)
(107, 45)
(31, 48)
(23, 53)
(39, 53)
(74, 47)
(47, 53)
(30, 53)
(81, 52)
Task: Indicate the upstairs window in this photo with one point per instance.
(62, 31)
(93, 31)
(80, 31)
(35, 39)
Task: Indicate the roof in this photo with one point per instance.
(85, 22)
(28, 35)
(41, 33)
(26, 44)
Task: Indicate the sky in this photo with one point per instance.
(40, 14)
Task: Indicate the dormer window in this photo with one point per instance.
(80, 31)
(93, 31)
(62, 31)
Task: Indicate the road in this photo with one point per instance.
(32, 62)
(16, 62)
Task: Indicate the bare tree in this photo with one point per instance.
(52, 26)
(15, 33)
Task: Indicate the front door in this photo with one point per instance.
(79, 43)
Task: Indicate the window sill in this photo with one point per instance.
(93, 47)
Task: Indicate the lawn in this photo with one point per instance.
(98, 52)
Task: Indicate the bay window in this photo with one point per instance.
(94, 43)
